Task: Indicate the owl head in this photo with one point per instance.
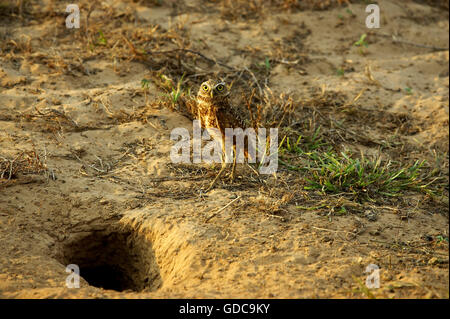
(213, 90)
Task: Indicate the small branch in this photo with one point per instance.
(221, 209)
(282, 61)
(183, 50)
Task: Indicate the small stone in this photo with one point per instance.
(370, 215)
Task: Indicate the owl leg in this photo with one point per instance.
(224, 166)
(233, 167)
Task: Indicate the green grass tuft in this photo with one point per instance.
(331, 172)
(101, 40)
(174, 92)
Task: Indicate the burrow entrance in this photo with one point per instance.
(113, 259)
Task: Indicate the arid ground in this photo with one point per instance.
(85, 170)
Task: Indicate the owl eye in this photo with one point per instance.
(220, 87)
(205, 88)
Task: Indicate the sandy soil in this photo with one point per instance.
(93, 184)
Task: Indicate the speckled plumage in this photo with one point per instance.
(216, 114)
(214, 109)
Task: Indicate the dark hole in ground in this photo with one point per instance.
(113, 259)
(107, 277)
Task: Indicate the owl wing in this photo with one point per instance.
(191, 108)
(229, 116)
(232, 117)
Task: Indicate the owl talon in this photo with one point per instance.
(231, 177)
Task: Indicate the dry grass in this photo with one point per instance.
(25, 163)
(177, 66)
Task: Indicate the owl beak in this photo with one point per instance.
(211, 93)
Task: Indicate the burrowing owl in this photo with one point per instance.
(214, 111)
